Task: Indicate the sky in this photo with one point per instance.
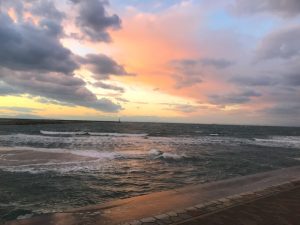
(187, 61)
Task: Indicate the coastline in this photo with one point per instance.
(162, 203)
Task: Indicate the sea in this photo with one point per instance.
(55, 167)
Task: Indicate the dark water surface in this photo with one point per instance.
(53, 167)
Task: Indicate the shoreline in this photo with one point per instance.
(162, 203)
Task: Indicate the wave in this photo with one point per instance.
(44, 132)
(63, 133)
(279, 141)
(157, 154)
(117, 134)
(85, 153)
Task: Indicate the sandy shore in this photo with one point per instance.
(147, 206)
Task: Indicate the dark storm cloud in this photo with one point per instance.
(108, 86)
(234, 98)
(47, 9)
(94, 21)
(25, 46)
(285, 8)
(33, 61)
(282, 44)
(102, 66)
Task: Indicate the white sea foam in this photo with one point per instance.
(62, 133)
(155, 152)
(280, 141)
(84, 153)
(117, 134)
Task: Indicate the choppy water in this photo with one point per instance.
(46, 168)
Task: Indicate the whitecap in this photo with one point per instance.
(117, 134)
(155, 152)
(63, 133)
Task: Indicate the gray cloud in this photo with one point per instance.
(185, 108)
(94, 21)
(284, 8)
(293, 79)
(122, 99)
(32, 60)
(284, 113)
(57, 86)
(25, 46)
(7, 90)
(102, 66)
(109, 86)
(47, 9)
(188, 72)
(234, 98)
(217, 63)
(52, 101)
(282, 44)
(254, 81)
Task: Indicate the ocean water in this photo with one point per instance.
(55, 167)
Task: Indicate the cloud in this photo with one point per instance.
(7, 90)
(217, 63)
(102, 66)
(57, 86)
(109, 86)
(188, 72)
(284, 8)
(185, 108)
(32, 60)
(52, 101)
(19, 109)
(27, 47)
(283, 44)
(254, 81)
(94, 21)
(47, 9)
(234, 98)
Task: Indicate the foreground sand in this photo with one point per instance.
(179, 204)
(278, 209)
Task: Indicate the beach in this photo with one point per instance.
(57, 169)
(190, 205)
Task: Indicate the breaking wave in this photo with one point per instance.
(157, 154)
(67, 133)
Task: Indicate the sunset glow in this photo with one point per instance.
(174, 61)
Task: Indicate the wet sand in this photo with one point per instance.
(279, 209)
(29, 157)
(145, 208)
